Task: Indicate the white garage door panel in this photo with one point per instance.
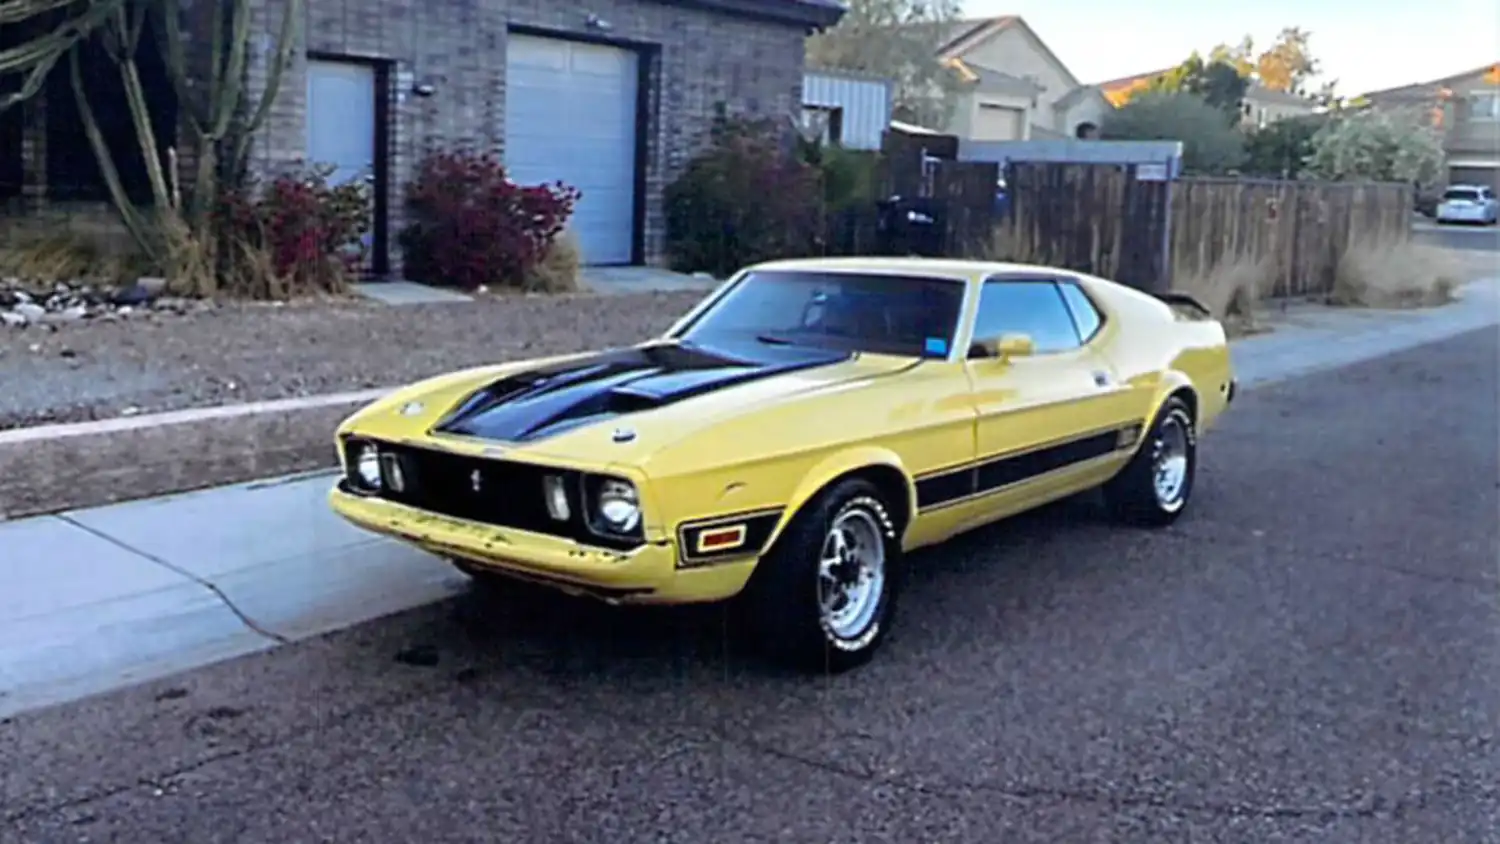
(341, 118)
(570, 116)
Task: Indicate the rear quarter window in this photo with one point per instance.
(1086, 317)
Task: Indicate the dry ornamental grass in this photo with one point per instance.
(1400, 274)
(1232, 290)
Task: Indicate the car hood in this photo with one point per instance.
(621, 405)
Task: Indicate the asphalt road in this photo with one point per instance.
(1486, 238)
(1312, 655)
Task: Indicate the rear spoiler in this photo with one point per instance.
(1185, 300)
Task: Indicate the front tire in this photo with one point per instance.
(1154, 488)
(823, 598)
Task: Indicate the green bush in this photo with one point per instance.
(746, 198)
(850, 178)
(1209, 143)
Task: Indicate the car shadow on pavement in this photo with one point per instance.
(511, 626)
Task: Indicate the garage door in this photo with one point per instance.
(570, 115)
(999, 123)
(1460, 175)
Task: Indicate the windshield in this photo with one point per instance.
(1462, 193)
(894, 315)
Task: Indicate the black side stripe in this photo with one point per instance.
(951, 486)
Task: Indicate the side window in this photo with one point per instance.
(1035, 308)
(1085, 315)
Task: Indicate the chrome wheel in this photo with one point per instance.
(851, 574)
(1169, 463)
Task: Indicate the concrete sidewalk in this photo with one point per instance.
(99, 598)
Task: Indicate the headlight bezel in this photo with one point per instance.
(359, 455)
(629, 525)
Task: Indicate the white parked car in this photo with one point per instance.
(1468, 204)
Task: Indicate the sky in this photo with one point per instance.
(1366, 45)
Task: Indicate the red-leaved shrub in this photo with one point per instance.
(308, 231)
(470, 225)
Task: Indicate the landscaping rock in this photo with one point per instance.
(60, 303)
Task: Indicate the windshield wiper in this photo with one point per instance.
(773, 340)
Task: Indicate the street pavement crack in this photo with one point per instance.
(206, 584)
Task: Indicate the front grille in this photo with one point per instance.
(509, 494)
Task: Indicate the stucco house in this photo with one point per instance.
(1466, 106)
(611, 96)
(1012, 87)
(1261, 105)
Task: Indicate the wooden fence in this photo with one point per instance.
(1100, 219)
(1301, 227)
(1109, 221)
(960, 193)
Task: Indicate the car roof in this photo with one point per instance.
(950, 268)
(1466, 186)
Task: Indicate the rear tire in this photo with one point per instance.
(822, 600)
(1156, 485)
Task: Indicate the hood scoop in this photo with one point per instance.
(531, 405)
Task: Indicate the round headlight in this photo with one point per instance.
(618, 506)
(367, 465)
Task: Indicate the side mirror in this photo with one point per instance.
(1004, 347)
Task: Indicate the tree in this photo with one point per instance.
(1377, 146)
(1328, 96)
(1288, 63)
(1210, 145)
(1241, 56)
(1280, 149)
(899, 40)
(1217, 81)
(219, 113)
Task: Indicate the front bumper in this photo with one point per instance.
(645, 575)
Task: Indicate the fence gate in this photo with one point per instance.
(924, 171)
(1109, 220)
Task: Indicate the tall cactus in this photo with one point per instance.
(71, 22)
(216, 108)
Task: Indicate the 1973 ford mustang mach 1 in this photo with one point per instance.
(791, 438)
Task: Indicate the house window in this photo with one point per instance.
(825, 122)
(1484, 106)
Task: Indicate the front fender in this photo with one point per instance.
(836, 466)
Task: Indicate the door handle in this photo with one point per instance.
(1101, 378)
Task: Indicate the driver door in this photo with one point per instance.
(1051, 422)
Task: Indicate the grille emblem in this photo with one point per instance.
(476, 480)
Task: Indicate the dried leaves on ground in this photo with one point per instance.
(90, 369)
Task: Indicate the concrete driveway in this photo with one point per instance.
(1312, 655)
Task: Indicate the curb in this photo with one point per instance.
(63, 430)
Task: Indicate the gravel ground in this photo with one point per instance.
(1309, 656)
(91, 370)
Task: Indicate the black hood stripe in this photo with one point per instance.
(544, 402)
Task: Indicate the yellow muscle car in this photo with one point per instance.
(794, 435)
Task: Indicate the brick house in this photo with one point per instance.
(611, 96)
